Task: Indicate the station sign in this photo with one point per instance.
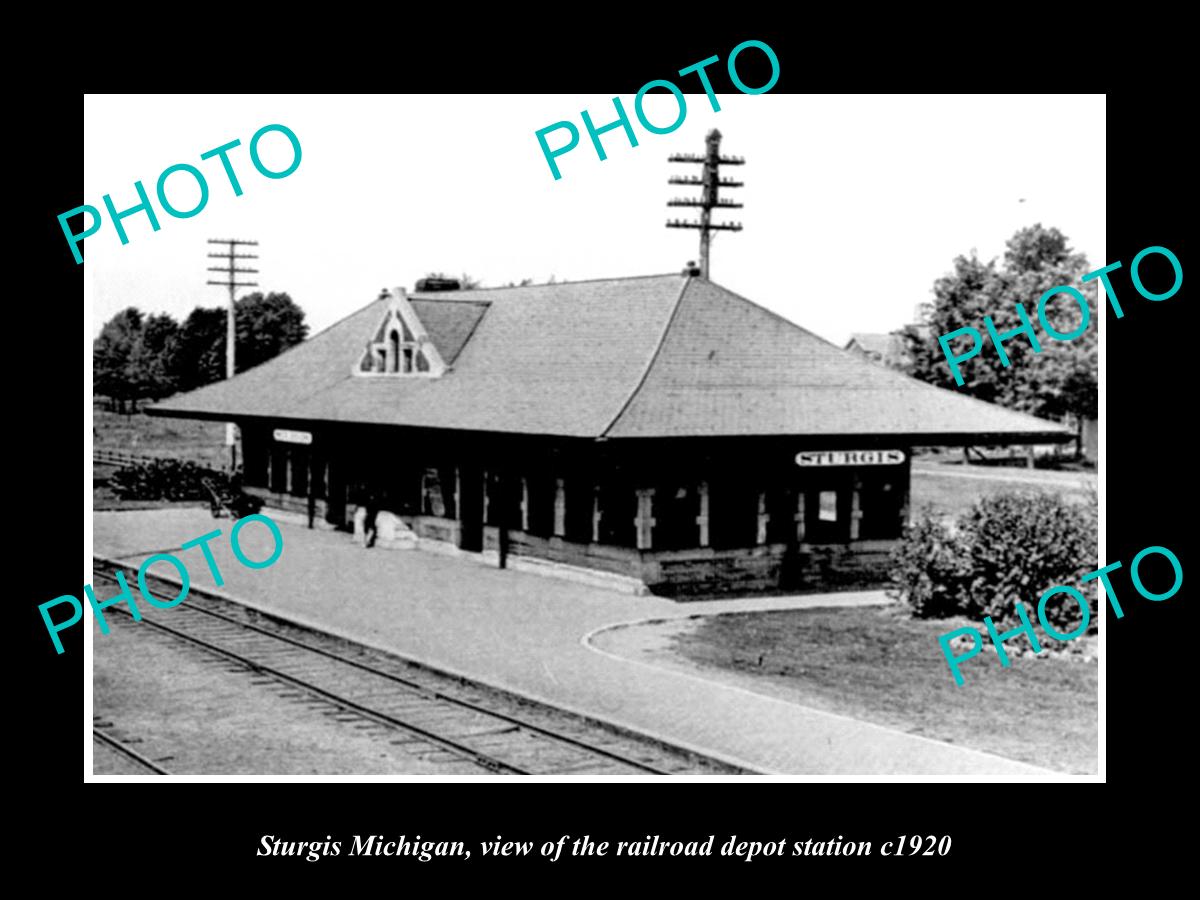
(293, 437)
(851, 458)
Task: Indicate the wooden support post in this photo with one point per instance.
(800, 517)
(1029, 457)
(484, 475)
(312, 500)
(596, 514)
(560, 507)
(525, 504)
(505, 489)
(855, 511)
(645, 519)
(763, 519)
(702, 519)
(458, 493)
(503, 498)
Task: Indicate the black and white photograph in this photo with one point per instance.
(437, 437)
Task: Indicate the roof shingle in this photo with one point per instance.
(657, 356)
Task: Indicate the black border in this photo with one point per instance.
(1009, 831)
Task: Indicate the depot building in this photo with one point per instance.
(662, 428)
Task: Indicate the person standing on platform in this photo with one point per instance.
(370, 523)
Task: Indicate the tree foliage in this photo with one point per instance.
(200, 353)
(1007, 547)
(465, 282)
(139, 357)
(111, 354)
(150, 372)
(1060, 379)
(266, 326)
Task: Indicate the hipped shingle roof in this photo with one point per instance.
(656, 356)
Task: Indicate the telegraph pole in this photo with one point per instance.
(709, 182)
(231, 325)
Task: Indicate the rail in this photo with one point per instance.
(128, 752)
(262, 653)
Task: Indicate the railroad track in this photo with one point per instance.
(125, 751)
(495, 731)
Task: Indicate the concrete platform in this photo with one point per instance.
(525, 632)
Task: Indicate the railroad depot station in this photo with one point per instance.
(658, 427)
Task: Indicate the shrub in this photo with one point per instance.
(174, 479)
(929, 568)
(1007, 547)
(162, 479)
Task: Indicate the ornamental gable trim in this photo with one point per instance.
(400, 346)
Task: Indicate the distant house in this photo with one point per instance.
(886, 349)
(890, 349)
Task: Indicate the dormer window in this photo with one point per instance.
(399, 345)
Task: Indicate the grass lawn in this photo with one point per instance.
(878, 665)
(952, 495)
(202, 442)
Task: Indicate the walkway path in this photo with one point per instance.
(524, 632)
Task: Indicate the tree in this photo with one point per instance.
(266, 326)
(149, 371)
(1059, 380)
(465, 281)
(1064, 380)
(111, 353)
(1009, 545)
(199, 356)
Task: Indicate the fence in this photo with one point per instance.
(121, 457)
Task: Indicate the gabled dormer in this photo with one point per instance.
(399, 346)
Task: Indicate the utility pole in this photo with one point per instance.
(709, 181)
(231, 324)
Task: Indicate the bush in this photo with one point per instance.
(174, 479)
(162, 479)
(1007, 547)
(929, 569)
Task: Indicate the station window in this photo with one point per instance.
(781, 515)
(279, 462)
(503, 501)
(828, 515)
(255, 451)
(580, 506)
(881, 505)
(675, 508)
(732, 514)
(438, 486)
(618, 509)
(298, 462)
(318, 473)
(540, 491)
(432, 502)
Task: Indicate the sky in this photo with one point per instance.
(854, 205)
